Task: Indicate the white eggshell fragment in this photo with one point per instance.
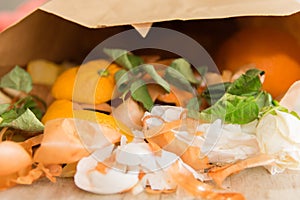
(113, 181)
(106, 172)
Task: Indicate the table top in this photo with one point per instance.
(254, 183)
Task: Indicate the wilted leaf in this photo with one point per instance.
(124, 58)
(139, 92)
(156, 77)
(26, 122)
(185, 69)
(17, 79)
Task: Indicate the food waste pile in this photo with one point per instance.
(141, 123)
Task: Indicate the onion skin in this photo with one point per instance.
(60, 144)
(13, 158)
(129, 113)
(66, 140)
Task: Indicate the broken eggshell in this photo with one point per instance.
(221, 143)
(111, 181)
(109, 171)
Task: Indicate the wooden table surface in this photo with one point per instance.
(254, 183)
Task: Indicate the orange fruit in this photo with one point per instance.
(64, 84)
(274, 51)
(64, 109)
(59, 109)
(91, 83)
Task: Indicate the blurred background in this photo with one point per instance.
(6, 5)
(12, 11)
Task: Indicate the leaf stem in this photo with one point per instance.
(3, 130)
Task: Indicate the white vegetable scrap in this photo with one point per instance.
(226, 143)
(291, 99)
(279, 135)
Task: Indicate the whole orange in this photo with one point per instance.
(272, 50)
(64, 84)
(92, 83)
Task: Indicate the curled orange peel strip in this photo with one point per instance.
(197, 188)
(220, 174)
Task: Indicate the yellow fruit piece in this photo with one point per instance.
(43, 72)
(92, 83)
(59, 109)
(64, 109)
(102, 118)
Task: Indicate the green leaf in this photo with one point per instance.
(202, 70)
(263, 99)
(17, 79)
(119, 74)
(135, 60)
(254, 72)
(271, 109)
(295, 114)
(214, 92)
(9, 116)
(4, 107)
(248, 84)
(156, 77)
(37, 112)
(194, 104)
(193, 107)
(242, 102)
(185, 69)
(177, 79)
(28, 103)
(26, 122)
(124, 58)
(139, 93)
(19, 108)
(122, 80)
(232, 109)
